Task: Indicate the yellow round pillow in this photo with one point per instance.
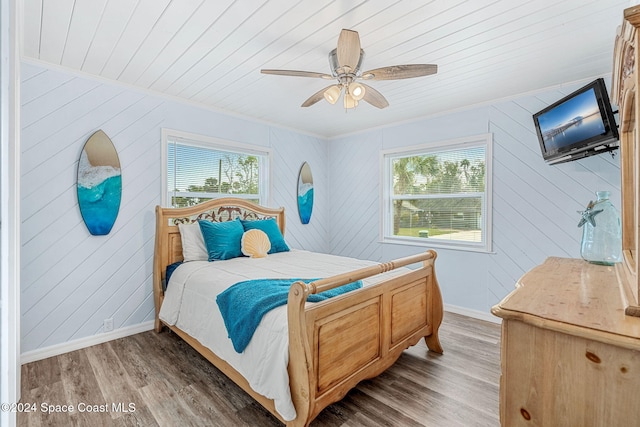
(255, 243)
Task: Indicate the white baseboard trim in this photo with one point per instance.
(476, 314)
(55, 350)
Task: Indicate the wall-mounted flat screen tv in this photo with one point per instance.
(579, 125)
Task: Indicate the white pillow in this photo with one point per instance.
(193, 248)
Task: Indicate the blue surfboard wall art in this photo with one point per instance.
(99, 184)
(305, 193)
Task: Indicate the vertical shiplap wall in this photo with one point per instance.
(72, 281)
(355, 196)
(534, 204)
(291, 150)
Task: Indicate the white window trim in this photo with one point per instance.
(386, 215)
(215, 143)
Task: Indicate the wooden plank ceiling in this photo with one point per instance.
(210, 52)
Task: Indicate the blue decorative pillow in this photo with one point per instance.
(168, 272)
(222, 239)
(270, 227)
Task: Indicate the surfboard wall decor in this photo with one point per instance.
(99, 184)
(305, 193)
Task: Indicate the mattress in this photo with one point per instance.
(190, 304)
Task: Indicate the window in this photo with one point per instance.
(439, 195)
(200, 168)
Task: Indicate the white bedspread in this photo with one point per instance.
(190, 304)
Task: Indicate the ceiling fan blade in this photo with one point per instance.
(348, 50)
(396, 72)
(374, 97)
(296, 73)
(318, 96)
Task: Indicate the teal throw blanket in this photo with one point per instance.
(244, 304)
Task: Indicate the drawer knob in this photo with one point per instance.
(593, 357)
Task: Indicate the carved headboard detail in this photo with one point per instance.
(168, 247)
(221, 214)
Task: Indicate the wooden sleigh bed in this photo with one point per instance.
(379, 321)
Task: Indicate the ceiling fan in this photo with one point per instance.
(345, 61)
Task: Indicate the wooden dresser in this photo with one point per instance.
(570, 355)
(570, 331)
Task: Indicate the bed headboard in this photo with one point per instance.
(168, 246)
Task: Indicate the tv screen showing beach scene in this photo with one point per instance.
(572, 121)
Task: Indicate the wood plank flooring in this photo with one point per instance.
(153, 379)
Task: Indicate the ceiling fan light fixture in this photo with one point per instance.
(345, 62)
(349, 101)
(332, 94)
(356, 90)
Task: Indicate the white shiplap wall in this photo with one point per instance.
(290, 151)
(72, 281)
(534, 204)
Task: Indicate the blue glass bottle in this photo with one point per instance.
(602, 232)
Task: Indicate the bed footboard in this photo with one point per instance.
(337, 343)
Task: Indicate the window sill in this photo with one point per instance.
(436, 244)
